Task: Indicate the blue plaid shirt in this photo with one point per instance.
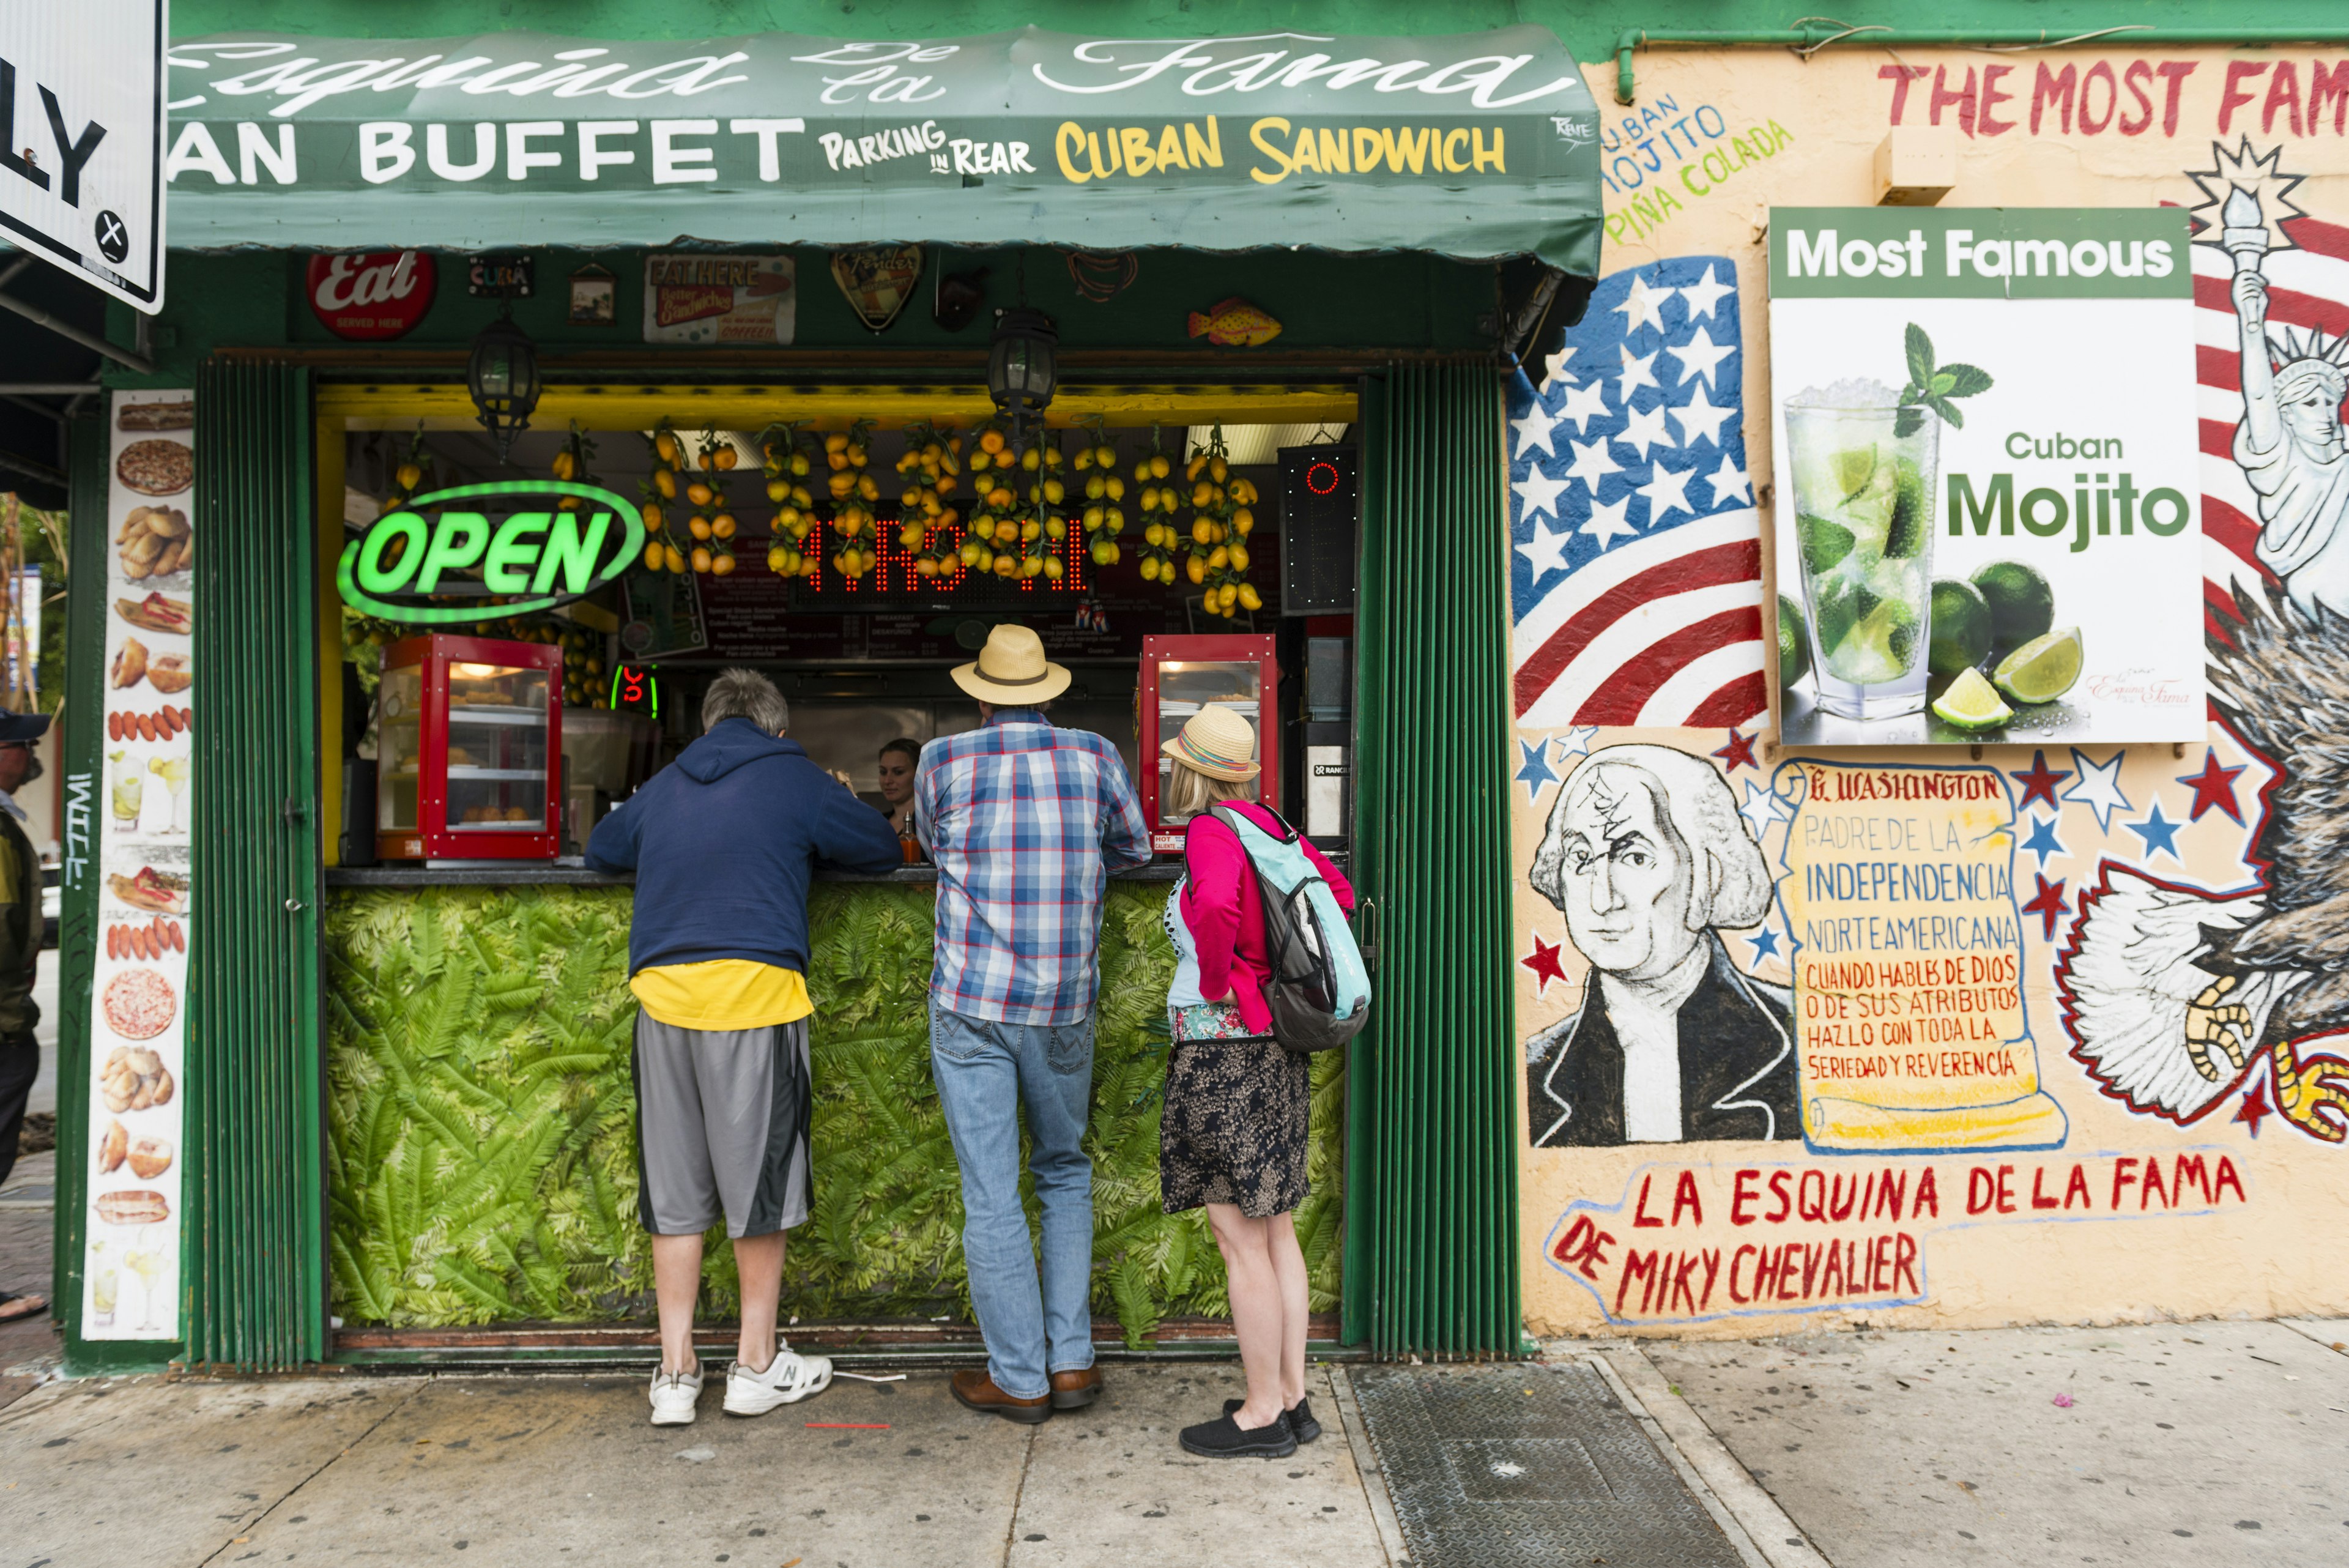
(1025, 823)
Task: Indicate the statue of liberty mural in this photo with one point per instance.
(2288, 444)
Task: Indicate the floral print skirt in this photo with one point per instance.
(1235, 1126)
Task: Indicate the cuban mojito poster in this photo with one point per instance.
(1987, 524)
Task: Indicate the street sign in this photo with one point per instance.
(81, 139)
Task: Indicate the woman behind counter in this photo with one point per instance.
(1238, 1104)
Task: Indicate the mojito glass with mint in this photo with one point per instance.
(1864, 528)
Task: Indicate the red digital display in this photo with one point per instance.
(1323, 478)
(894, 573)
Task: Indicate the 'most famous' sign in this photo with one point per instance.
(428, 567)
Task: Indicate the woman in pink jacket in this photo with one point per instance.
(1234, 1133)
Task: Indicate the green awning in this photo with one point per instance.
(1475, 145)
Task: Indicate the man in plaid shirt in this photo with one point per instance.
(1025, 823)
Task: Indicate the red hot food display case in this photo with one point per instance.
(1181, 675)
(469, 732)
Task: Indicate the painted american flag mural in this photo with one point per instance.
(1635, 570)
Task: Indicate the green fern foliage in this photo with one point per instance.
(483, 1119)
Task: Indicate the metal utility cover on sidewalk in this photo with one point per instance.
(1530, 1464)
(81, 139)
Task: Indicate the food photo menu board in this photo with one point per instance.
(139, 1000)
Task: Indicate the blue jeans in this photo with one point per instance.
(986, 1071)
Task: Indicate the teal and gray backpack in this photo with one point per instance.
(1319, 993)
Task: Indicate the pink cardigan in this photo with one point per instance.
(1225, 911)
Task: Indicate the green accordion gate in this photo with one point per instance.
(255, 1241)
(1432, 1218)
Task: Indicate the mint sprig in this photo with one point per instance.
(1932, 387)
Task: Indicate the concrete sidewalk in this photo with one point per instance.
(2202, 1444)
(540, 1469)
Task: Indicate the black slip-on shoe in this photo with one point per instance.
(1223, 1438)
(1300, 1417)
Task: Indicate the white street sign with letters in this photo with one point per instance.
(81, 139)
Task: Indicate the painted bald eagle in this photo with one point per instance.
(2171, 995)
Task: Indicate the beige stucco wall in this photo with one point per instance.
(2245, 1200)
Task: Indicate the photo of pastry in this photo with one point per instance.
(155, 542)
(135, 1079)
(132, 1206)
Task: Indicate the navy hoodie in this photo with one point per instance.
(723, 841)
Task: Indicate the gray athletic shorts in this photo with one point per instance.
(722, 1118)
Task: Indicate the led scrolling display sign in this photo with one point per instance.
(406, 566)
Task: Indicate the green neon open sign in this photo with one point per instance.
(532, 560)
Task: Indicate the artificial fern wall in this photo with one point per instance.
(482, 1120)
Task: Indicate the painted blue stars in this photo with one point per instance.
(2042, 841)
(1536, 772)
(2160, 835)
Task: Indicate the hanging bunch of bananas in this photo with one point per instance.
(712, 521)
(663, 550)
(932, 463)
(1104, 518)
(570, 465)
(853, 491)
(787, 466)
(1221, 520)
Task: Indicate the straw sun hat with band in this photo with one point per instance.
(1012, 670)
(1217, 742)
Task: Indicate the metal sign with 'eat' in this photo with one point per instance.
(81, 140)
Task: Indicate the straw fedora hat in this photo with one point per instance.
(1217, 742)
(1012, 670)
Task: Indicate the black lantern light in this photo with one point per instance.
(502, 377)
(1020, 375)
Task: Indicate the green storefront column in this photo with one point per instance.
(1432, 1234)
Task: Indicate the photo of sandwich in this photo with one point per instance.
(158, 612)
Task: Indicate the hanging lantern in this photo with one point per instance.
(1020, 375)
(502, 377)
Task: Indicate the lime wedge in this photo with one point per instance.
(2043, 669)
(1854, 467)
(1794, 643)
(1970, 704)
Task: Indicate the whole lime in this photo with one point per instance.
(1794, 643)
(1961, 628)
(2021, 606)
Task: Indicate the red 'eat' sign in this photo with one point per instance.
(374, 294)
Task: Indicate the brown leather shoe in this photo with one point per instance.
(1075, 1390)
(977, 1390)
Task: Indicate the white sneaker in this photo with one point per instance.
(788, 1380)
(674, 1395)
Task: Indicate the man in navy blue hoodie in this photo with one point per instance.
(723, 844)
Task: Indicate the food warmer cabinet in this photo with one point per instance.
(1180, 675)
(467, 730)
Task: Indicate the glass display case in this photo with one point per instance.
(467, 730)
(1181, 675)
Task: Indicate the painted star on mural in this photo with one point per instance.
(1739, 752)
(2255, 1108)
(2050, 905)
(1575, 743)
(1543, 961)
(2214, 788)
(1536, 772)
(1765, 944)
(2040, 782)
(2160, 835)
(2099, 788)
(2042, 841)
(1762, 807)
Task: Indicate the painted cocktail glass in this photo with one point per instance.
(1864, 526)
